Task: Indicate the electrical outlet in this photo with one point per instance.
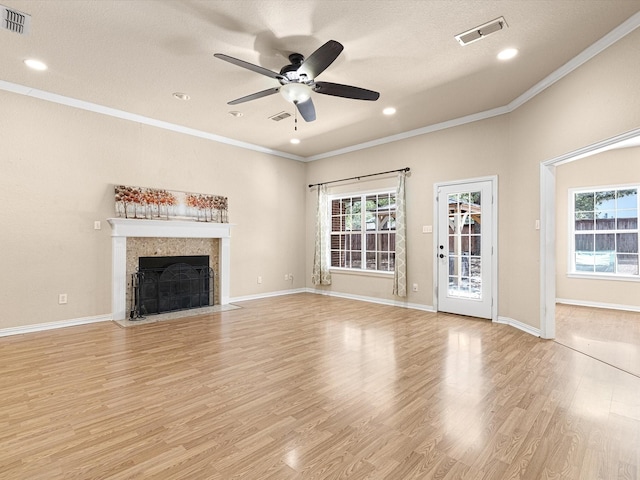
(62, 299)
(415, 287)
(97, 225)
(259, 279)
(286, 277)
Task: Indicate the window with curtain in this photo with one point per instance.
(604, 226)
(363, 231)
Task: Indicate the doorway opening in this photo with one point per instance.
(548, 234)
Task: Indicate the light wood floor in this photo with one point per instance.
(612, 336)
(312, 387)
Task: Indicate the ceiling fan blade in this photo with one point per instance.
(248, 66)
(319, 60)
(253, 96)
(346, 91)
(307, 110)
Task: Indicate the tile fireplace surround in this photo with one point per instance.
(122, 228)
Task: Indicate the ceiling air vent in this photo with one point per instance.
(14, 20)
(280, 116)
(481, 31)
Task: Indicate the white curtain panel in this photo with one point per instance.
(321, 274)
(400, 270)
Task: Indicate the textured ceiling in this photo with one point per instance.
(132, 55)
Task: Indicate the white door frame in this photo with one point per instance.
(548, 222)
(494, 230)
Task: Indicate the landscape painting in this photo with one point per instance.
(155, 203)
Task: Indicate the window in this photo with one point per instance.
(605, 231)
(363, 232)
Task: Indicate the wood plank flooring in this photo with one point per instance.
(612, 336)
(312, 387)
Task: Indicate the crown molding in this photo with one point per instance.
(134, 117)
(587, 54)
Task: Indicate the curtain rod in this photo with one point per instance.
(406, 169)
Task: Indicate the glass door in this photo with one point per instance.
(464, 249)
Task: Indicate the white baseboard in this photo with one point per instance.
(519, 325)
(258, 296)
(426, 308)
(610, 306)
(394, 303)
(381, 301)
(39, 327)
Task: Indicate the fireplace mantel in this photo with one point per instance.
(132, 227)
(121, 228)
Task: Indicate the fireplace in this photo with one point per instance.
(134, 238)
(171, 283)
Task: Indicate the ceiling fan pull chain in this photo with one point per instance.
(295, 120)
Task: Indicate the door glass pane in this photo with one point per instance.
(475, 266)
(476, 242)
(464, 245)
(465, 261)
(453, 264)
(454, 246)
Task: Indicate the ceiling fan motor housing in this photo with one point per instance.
(290, 72)
(297, 80)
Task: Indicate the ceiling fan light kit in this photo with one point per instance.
(296, 92)
(297, 80)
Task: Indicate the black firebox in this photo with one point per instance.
(167, 284)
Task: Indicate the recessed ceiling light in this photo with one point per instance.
(507, 54)
(181, 96)
(35, 64)
(295, 141)
(389, 111)
(235, 113)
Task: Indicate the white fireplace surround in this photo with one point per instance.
(121, 228)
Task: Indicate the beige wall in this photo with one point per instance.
(616, 167)
(58, 166)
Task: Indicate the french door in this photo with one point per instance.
(465, 248)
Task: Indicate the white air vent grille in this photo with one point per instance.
(481, 31)
(15, 21)
(280, 116)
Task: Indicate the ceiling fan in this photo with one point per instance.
(297, 80)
